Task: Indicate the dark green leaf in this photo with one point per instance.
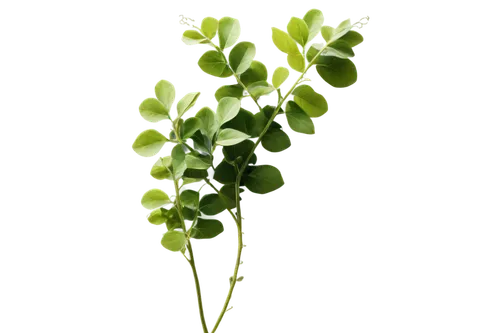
(162, 168)
(193, 37)
(149, 143)
(339, 73)
(229, 137)
(209, 27)
(280, 75)
(256, 72)
(260, 88)
(173, 240)
(243, 122)
(312, 103)
(205, 229)
(269, 111)
(263, 179)
(227, 109)
(241, 56)
(353, 38)
(188, 214)
(173, 219)
(212, 204)
(297, 28)
(314, 20)
(261, 121)
(225, 173)
(275, 140)
(242, 149)
(284, 42)
(229, 31)
(234, 90)
(296, 62)
(155, 198)
(195, 173)
(298, 120)
(213, 63)
(186, 103)
(228, 194)
(202, 142)
(190, 199)
(158, 216)
(208, 123)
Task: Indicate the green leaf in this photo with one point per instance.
(205, 229)
(227, 109)
(314, 20)
(162, 168)
(327, 32)
(298, 29)
(195, 162)
(243, 122)
(178, 161)
(312, 103)
(208, 123)
(202, 142)
(256, 72)
(173, 219)
(213, 63)
(153, 110)
(275, 140)
(353, 38)
(158, 216)
(209, 27)
(234, 90)
(154, 198)
(187, 180)
(263, 179)
(229, 31)
(298, 120)
(284, 42)
(260, 88)
(229, 137)
(196, 173)
(165, 92)
(225, 173)
(188, 214)
(190, 126)
(149, 143)
(261, 121)
(241, 57)
(193, 37)
(212, 204)
(280, 75)
(228, 194)
(186, 103)
(269, 111)
(297, 62)
(174, 240)
(339, 73)
(341, 49)
(330, 34)
(190, 199)
(242, 149)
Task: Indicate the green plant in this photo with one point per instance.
(233, 128)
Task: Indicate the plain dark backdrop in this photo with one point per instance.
(329, 253)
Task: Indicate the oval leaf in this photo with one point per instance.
(297, 28)
(186, 103)
(190, 199)
(229, 31)
(260, 88)
(208, 122)
(197, 163)
(297, 62)
(174, 240)
(234, 90)
(209, 27)
(212, 204)
(154, 198)
(193, 37)
(149, 143)
(275, 140)
(178, 161)
(280, 75)
(189, 127)
(153, 110)
(284, 42)
(161, 169)
(205, 229)
(158, 216)
(339, 73)
(314, 20)
(312, 103)
(213, 63)
(263, 179)
(256, 72)
(165, 92)
(229, 137)
(227, 109)
(241, 57)
(298, 120)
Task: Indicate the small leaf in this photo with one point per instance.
(256, 72)
(284, 42)
(298, 120)
(178, 161)
(149, 143)
(312, 103)
(280, 75)
(234, 90)
(330, 34)
(154, 198)
(260, 88)
(314, 20)
(353, 38)
(208, 123)
(229, 137)
(327, 32)
(193, 37)
(296, 61)
(263, 179)
(241, 57)
(229, 31)
(243, 122)
(190, 126)
(165, 92)
(212, 204)
(205, 229)
(209, 27)
(190, 199)
(227, 109)
(186, 103)
(298, 29)
(173, 219)
(339, 73)
(275, 140)
(173, 240)
(162, 168)
(225, 173)
(213, 63)
(194, 162)
(158, 216)
(153, 110)
(240, 279)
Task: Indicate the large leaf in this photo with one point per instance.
(241, 57)
(209, 27)
(190, 199)
(298, 120)
(227, 109)
(165, 92)
(280, 75)
(154, 198)
(339, 73)
(298, 29)
(314, 20)
(162, 168)
(208, 123)
(225, 173)
(153, 110)
(158, 216)
(284, 42)
(229, 31)
(178, 161)
(205, 229)
(263, 179)
(212, 204)
(212, 62)
(275, 140)
(193, 37)
(174, 240)
(296, 61)
(186, 103)
(243, 122)
(312, 103)
(189, 127)
(256, 72)
(260, 88)
(149, 143)
(229, 137)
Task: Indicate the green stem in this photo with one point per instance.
(218, 192)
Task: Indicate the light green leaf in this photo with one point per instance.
(314, 20)
(162, 168)
(227, 109)
(186, 103)
(149, 143)
(338, 48)
(280, 75)
(256, 72)
(298, 120)
(178, 161)
(158, 216)
(284, 42)
(229, 31)
(241, 57)
(190, 199)
(165, 92)
(263, 179)
(330, 35)
(212, 62)
(212, 204)
(154, 198)
(174, 240)
(234, 90)
(327, 32)
(209, 27)
(298, 29)
(193, 37)
(275, 140)
(190, 126)
(153, 110)
(339, 73)
(312, 103)
(229, 137)
(194, 162)
(208, 123)
(260, 88)
(205, 229)
(297, 62)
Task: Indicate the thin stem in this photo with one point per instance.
(218, 192)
